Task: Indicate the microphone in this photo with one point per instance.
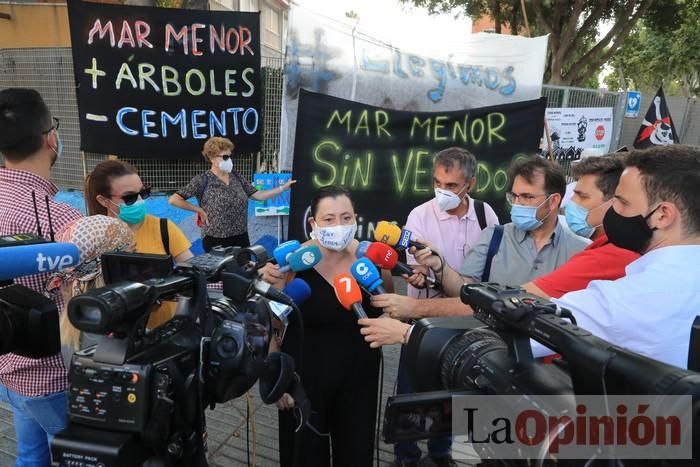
(26, 260)
(298, 290)
(368, 276)
(302, 259)
(349, 294)
(361, 251)
(386, 257)
(395, 236)
(281, 253)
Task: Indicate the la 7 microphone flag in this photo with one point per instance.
(657, 127)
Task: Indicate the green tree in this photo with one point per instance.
(653, 56)
(576, 53)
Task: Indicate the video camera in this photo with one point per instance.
(491, 354)
(138, 396)
(29, 320)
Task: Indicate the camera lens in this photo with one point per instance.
(461, 362)
(102, 310)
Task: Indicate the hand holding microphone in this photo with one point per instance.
(349, 294)
(395, 236)
(302, 259)
(386, 257)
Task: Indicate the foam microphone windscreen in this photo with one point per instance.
(388, 233)
(382, 255)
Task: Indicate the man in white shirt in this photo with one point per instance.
(656, 212)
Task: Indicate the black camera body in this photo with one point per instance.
(139, 395)
(28, 323)
(490, 353)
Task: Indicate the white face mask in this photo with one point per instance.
(335, 238)
(226, 166)
(446, 199)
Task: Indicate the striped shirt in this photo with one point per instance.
(28, 376)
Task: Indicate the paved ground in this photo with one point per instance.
(227, 429)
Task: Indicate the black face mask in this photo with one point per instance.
(631, 233)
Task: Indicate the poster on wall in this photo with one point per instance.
(157, 82)
(574, 129)
(275, 206)
(634, 102)
(385, 157)
(334, 58)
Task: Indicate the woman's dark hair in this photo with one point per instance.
(99, 182)
(329, 191)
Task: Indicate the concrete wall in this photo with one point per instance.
(34, 25)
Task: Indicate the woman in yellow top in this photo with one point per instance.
(115, 189)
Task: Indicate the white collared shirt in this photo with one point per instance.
(649, 311)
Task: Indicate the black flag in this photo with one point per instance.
(657, 127)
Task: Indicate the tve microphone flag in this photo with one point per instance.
(25, 260)
(657, 127)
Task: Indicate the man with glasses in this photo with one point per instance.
(532, 245)
(30, 145)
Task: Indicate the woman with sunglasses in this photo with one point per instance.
(115, 189)
(222, 195)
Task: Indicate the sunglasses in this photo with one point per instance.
(225, 157)
(131, 198)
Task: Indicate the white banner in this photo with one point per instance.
(331, 57)
(574, 129)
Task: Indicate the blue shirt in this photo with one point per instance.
(649, 311)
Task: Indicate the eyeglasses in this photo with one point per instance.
(56, 124)
(224, 156)
(527, 198)
(131, 198)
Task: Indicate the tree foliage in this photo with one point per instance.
(656, 55)
(576, 52)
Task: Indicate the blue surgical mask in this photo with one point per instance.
(577, 218)
(525, 217)
(134, 213)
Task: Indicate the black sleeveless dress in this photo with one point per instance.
(340, 374)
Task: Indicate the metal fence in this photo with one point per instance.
(562, 97)
(50, 71)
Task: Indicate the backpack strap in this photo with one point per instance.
(493, 249)
(480, 213)
(165, 235)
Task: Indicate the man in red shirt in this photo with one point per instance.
(597, 178)
(30, 144)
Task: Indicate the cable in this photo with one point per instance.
(249, 409)
(379, 401)
(247, 429)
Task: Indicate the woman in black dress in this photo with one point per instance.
(338, 370)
